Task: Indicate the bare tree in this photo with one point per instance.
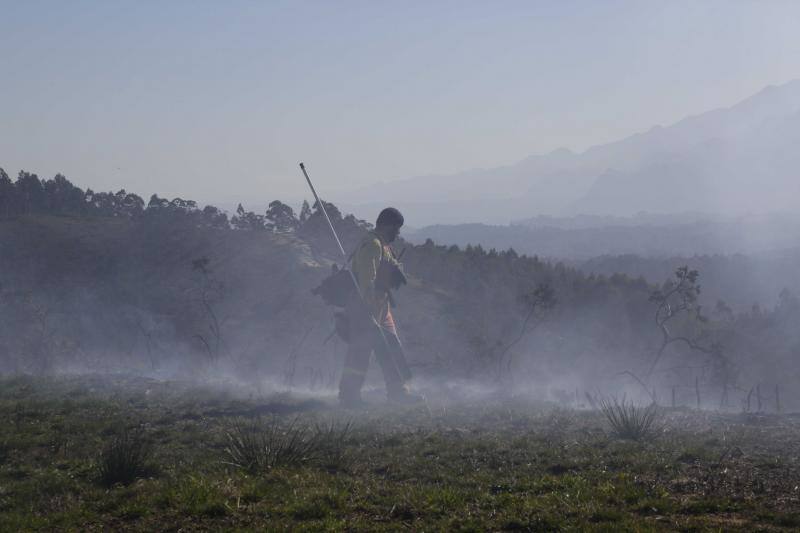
(676, 302)
(536, 305)
(497, 355)
(680, 320)
(210, 291)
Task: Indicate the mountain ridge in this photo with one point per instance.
(561, 182)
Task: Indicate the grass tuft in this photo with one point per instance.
(629, 421)
(124, 458)
(259, 446)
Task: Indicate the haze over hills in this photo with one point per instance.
(732, 160)
(581, 238)
(762, 249)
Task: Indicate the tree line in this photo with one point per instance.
(30, 195)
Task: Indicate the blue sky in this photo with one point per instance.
(220, 100)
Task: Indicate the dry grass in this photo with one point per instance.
(629, 421)
(259, 446)
(124, 458)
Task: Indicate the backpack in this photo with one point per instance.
(337, 289)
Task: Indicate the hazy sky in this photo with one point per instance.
(216, 100)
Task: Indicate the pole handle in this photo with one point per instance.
(324, 212)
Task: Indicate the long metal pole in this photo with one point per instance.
(324, 212)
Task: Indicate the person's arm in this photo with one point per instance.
(365, 268)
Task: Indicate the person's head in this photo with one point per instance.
(388, 224)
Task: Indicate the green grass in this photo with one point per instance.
(487, 466)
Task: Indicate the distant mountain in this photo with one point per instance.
(734, 160)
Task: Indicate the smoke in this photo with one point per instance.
(169, 299)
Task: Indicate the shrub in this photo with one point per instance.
(124, 458)
(629, 421)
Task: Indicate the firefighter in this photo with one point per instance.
(369, 317)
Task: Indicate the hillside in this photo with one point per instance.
(744, 260)
(105, 292)
(741, 281)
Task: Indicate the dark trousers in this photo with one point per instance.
(363, 341)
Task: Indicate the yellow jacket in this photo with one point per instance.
(365, 265)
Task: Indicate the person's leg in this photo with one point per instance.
(355, 369)
(392, 360)
(391, 375)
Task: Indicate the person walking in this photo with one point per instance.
(377, 272)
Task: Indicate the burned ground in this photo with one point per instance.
(451, 464)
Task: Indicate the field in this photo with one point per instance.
(469, 465)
